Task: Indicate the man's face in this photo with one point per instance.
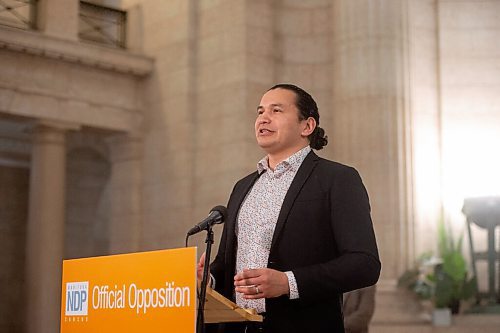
(277, 128)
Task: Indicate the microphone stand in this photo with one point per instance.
(200, 323)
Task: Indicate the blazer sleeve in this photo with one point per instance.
(356, 263)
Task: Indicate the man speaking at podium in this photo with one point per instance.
(298, 232)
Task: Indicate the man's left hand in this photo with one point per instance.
(261, 283)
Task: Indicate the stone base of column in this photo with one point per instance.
(397, 306)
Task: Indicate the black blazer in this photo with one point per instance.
(324, 234)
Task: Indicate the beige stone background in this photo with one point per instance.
(106, 150)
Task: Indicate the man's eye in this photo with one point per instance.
(276, 110)
(260, 111)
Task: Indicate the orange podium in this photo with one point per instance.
(139, 292)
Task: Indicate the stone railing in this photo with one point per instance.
(18, 13)
(102, 25)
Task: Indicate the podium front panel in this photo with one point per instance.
(137, 292)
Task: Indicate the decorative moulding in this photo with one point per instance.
(106, 58)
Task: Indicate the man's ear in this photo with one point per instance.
(310, 125)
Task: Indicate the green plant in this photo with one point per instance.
(451, 279)
(443, 280)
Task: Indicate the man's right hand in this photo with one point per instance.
(201, 266)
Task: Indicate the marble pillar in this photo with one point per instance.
(371, 130)
(369, 96)
(45, 231)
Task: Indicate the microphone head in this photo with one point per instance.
(222, 211)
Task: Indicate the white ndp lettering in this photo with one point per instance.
(164, 297)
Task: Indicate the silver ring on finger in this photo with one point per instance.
(257, 291)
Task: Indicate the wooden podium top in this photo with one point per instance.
(219, 309)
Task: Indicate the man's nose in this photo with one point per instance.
(264, 117)
(262, 120)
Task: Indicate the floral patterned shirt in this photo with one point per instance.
(257, 219)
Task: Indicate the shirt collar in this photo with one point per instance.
(292, 162)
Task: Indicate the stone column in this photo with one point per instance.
(369, 96)
(58, 18)
(371, 129)
(45, 231)
(125, 193)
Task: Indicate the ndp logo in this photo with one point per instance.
(77, 298)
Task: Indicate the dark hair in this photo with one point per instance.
(307, 108)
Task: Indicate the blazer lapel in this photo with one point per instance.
(302, 175)
(239, 197)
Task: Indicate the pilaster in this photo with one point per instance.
(45, 230)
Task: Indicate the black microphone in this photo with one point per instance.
(217, 215)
